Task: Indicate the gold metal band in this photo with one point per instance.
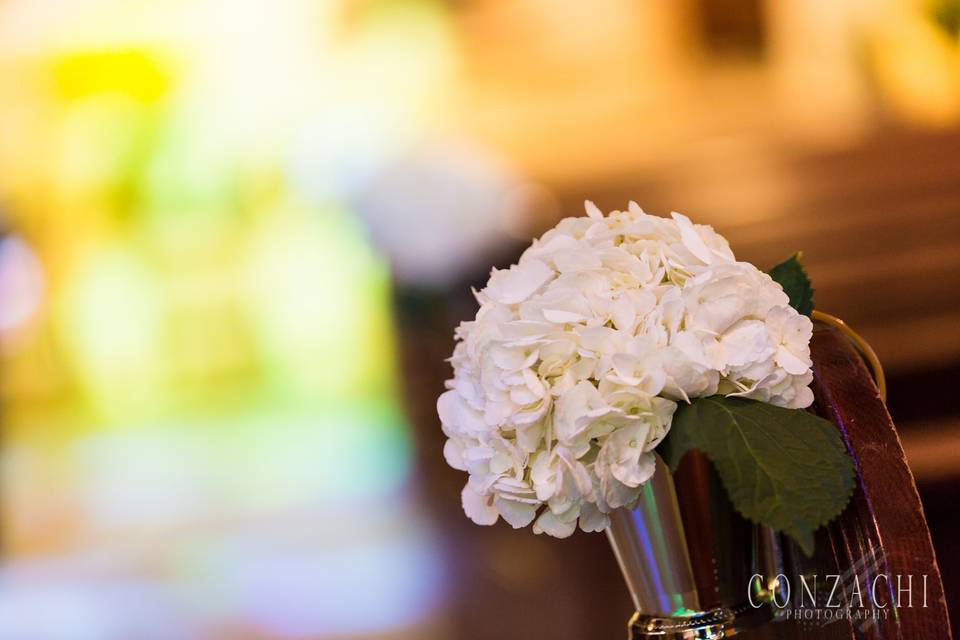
(862, 346)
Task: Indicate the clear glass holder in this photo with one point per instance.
(654, 555)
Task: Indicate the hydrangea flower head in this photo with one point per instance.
(569, 375)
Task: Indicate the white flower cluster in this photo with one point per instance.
(569, 376)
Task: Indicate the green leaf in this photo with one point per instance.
(785, 468)
(795, 282)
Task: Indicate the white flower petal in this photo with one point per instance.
(517, 514)
(551, 525)
(746, 342)
(519, 282)
(447, 407)
(593, 211)
(635, 472)
(691, 239)
(453, 454)
(791, 363)
(478, 508)
(560, 316)
(592, 519)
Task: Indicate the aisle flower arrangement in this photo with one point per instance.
(617, 336)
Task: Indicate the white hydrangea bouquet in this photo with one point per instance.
(618, 335)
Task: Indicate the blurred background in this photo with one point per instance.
(235, 239)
